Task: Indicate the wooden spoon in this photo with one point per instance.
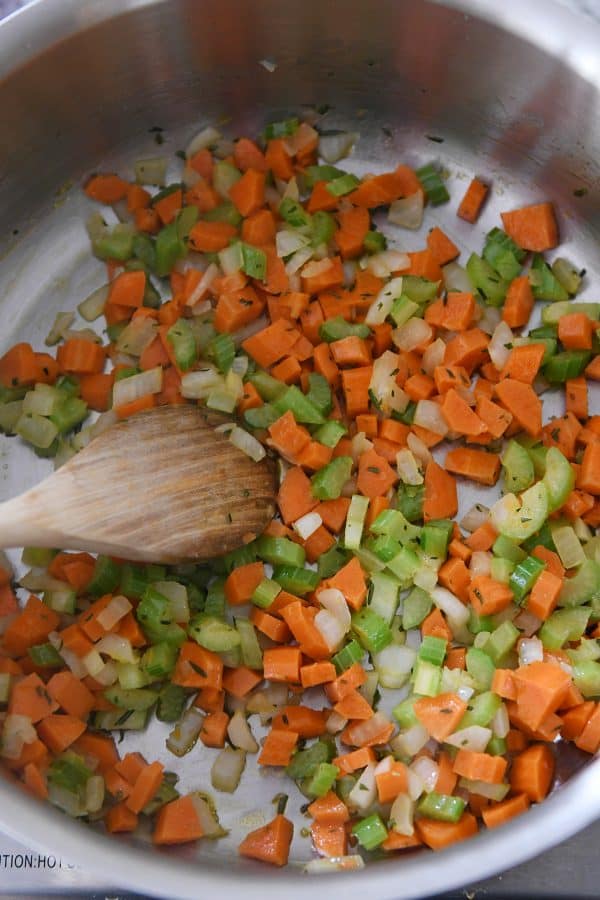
(162, 486)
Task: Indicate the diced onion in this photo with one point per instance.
(456, 278)
(299, 259)
(333, 147)
(203, 286)
(360, 445)
(410, 741)
(230, 259)
(307, 525)
(108, 674)
(401, 815)
(198, 384)
(427, 770)
(205, 138)
(407, 467)
(62, 323)
(412, 334)
(86, 334)
(394, 664)
(105, 420)
(500, 345)
(177, 596)
(303, 136)
(490, 319)
(70, 803)
(335, 723)
(185, 734)
(364, 792)
(383, 385)
(17, 731)
(426, 577)
(383, 302)
(209, 823)
(433, 356)
(530, 650)
(388, 261)
(480, 563)
(495, 792)
(429, 415)
(288, 242)
(408, 211)
(151, 171)
(501, 722)
(239, 733)
(93, 662)
(317, 268)
(334, 602)
(94, 793)
(268, 64)
(456, 612)
(568, 546)
(334, 864)
(227, 769)
(419, 449)
(136, 336)
(475, 738)
(129, 389)
(117, 647)
(330, 629)
(527, 623)
(247, 443)
(118, 607)
(472, 520)
(92, 307)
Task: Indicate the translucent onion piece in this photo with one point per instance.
(475, 738)
(129, 389)
(407, 212)
(227, 769)
(239, 733)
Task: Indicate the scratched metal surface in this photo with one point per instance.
(47, 266)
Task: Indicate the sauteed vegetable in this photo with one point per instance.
(409, 672)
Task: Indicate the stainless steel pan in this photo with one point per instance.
(513, 89)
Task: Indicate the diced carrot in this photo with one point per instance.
(482, 538)
(353, 226)
(30, 698)
(278, 747)
(435, 625)
(269, 625)
(544, 595)
(352, 678)
(498, 813)
(522, 403)
(237, 308)
(575, 331)
(441, 246)
(589, 739)
(328, 840)
(532, 772)
(295, 497)
(69, 692)
(440, 715)
(305, 721)
(282, 664)
(391, 783)
(541, 687)
(447, 778)
(146, 786)
(438, 835)
(375, 475)
(107, 189)
(177, 823)
(576, 395)
(80, 356)
(32, 626)
(441, 499)
(242, 582)
(119, 819)
(480, 766)
(456, 658)
(523, 363)
(494, 417)
(488, 597)
(589, 475)
(248, 193)
(210, 237)
(454, 575)
(356, 759)
(197, 667)
(350, 580)
(317, 673)
(473, 200)
(532, 227)
(278, 159)
(35, 781)
(575, 719)
(270, 843)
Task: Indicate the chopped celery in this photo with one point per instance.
(133, 581)
(322, 172)
(350, 653)
(330, 434)
(159, 660)
(566, 365)
(559, 478)
(225, 212)
(501, 569)
(519, 520)
(501, 641)
(319, 393)
(265, 593)
(261, 416)
(46, 655)
(419, 289)
(293, 400)
(169, 248)
(280, 551)
(517, 468)
(410, 501)
(480, 667)
(496, 746)
(524, 576)
(69, 771)
(544, 284)
(337, 328)
(116, 243)
(181, 338)
(136, 699)
(284, 128)
(323, 228)
(384, 547)
(442, 807)
(405, 565)
(295, 579)
(304, 763)
(566, 273)
(383, 598)
(374, 242)
(355, 520)
(213, 633)
(221, 349)
(130, 720)
(477, 623)
(416, 606)
(322, 780)
(583, 587)
(225, 175)
(551, 314)
(36, 430)
(435, 537)
(215, 598)
(507, 549)
(343, 184)
(254, 261)
(106, 577)
(486, 280)
(427, 678)
(371, 832)
(371, 629)
(404, 309)
(251, 650)
(404, 712)
(431, 181)
(331, 561)
(392, 522)
(586, 675)
(564, 625)
(433, 649)
(292, 212)
(503, 254)
(481, 709)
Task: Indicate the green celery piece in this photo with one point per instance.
(501, 641)
(416, 607)
(584, 587)
(294, 401)
(322, 780)
(159, 660)
(524, 516)
(252, 656)
(323, 228)
(407, 418)
(221, 349)
(254, 261)
(136, 699)
(486, 280)
(292, 212)
(478, 623)
(350, 653)
(215, 602)
(566, 365)
(319, 393)
(169, 248)
(331, 561)
(506, 548)
(130, 720)
(564, 625)
(517, 468)
(330, 434)
(68, 414)
(404, 712)
(343, 184)
(266, 592)
(496, 746)
(552, 313)
(156, 618)
(371, 629)
(435, 537)
(133, 581)
(181, 338)
(370, 832)
(501, 569)
(106, 577)
(37, 556)
(586, 675)
(337, 328)
(116, 243)
(393, 523)
(543, 537)
(426, 678)
(559, 478)
(419, 289)
(261, 417)
(501, 252)
(323, 172)
(213, 633)
(10, 413)
(524, 576)
(480, 667)
(538, 454)
(481, 709)
(185, 220)
(433, 649)
(171, 703)
(375, 242)
(404, 309)
(384, 547)
(225, 212)
(544, 284)
(383, 596)
(225, 175)
(296, 580)
(280, 551)
(69, 771)
(410, 501)
(566, 273)
(327, 483)
(304, 763)
(442, 807)
(36, 430)
(405, 565)
(283, 128)
(432, 184)
(46, 655)
(268, 387)
(165, 794)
